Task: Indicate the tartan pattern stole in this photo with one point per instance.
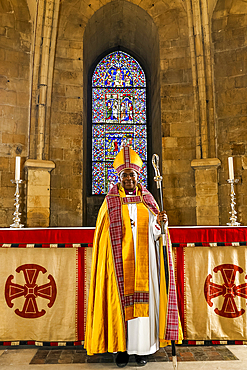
(114, 204)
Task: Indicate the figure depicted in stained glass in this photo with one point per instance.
(119, 80)
(115, 110)
(108, 110)
(109, 77)
(127, 140)
(113, 143)
(130, 110)
(126, 110)
(128, 80)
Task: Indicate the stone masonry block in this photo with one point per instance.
(60, 193)
(169, 142)
(208, 221)
(72, 155)
(207, 200)
(39, 190)
(6, 179)
(74, 105)
(4, 164)
(38, 217)
(38, 178)
(23, 99)
(177, 153)
(204, 190)
(75, 194)
(70, 218)
(8, 97)
(7, 197)
(182, 129)
(175, 166)
(73, 91)
(65, 168)
(67, 118)
(3, 218)
(57, 153)
(206, 176)
(187, 191)
(37, 201)
(207, 212)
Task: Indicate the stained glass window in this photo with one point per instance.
(118, 116)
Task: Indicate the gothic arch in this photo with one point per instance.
(121, 25)
(156, 34)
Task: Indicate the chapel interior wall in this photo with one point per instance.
(229, 30)
(158, 37)
(66, 144)
(177, 112)
(15, 46)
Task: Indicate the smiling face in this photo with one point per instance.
(128, 179)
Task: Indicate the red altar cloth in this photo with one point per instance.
(184, 235)
(199, 252)
(47, 235)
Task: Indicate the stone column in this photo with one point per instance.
(206, 181)
(38, 192)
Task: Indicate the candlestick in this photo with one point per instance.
(230, 166)
(17, 214)
(233, 213)
(17, 168)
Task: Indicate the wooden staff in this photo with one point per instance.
(158, 179)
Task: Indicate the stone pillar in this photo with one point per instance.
(38, 192)
(206, 180)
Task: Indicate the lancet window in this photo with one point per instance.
(118, 116)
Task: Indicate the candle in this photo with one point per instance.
(230, 166)
(17, 167)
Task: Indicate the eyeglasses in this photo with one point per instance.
(124, 175)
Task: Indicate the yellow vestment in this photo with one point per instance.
(105, 331)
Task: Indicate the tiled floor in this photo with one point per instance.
(74, 356)
(190, 358)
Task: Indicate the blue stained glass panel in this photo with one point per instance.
(98, 150)
(98, 131)
(98, 178)
(112, 145)
(140, 148)
(143, 175)
(119, 128)
(118, 69)
(118, 116)
(141, 131)
(111, 176)
(98, 108)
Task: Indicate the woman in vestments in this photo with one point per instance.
(129, 309)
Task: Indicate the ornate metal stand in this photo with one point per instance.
(233, 213)
(16, 214)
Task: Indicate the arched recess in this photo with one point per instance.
(121, 25)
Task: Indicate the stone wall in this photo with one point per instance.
(66, 146)
(157, 35)
(229, 30)
(161, 36)
(178, 128)
(15, 38)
